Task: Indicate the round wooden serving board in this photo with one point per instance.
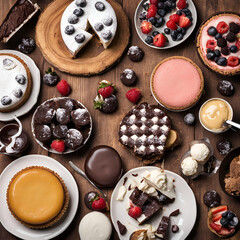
(93, 58)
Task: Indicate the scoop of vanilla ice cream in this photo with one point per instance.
(200, 152)
(189, 166)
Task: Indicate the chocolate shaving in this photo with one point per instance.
(135, 175)
(122, 228)
(129, 188)
(175, 213)
(125, 180)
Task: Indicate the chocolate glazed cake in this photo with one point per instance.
(21, 11)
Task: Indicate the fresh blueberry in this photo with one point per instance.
(222, 61)
(233, 49)
(187, 12)
(224, 215)
(79, 38)
(160, 21)
(218, 35)
(81, 3)
(69, 30)
(230, 215)
(107, 35)
(173, 5)
(161, 12)
(78, 12)
(234, 221)
(98, 27)
(160, 5)
(174, 34)
(216, 59)
(183, 31)
(100, 6)
(224, 222)
(6, 100)
(189, 119)
(168, 4)
(179, 37)
(108, 21)
(179, 30)
(217, 53)
(17, 92)
(155, 33)
(21, 79)
(149, 40)
(209, 50)
(179, 12)
(167, 30)
(72, 19)
(152, 20)
(212, 31)
(142, 16)
(210, 55)
(190, 18)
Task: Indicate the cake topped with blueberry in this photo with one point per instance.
(15, 81)
(218, 43)
(79, 16)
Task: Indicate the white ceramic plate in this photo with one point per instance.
(28, 105)
(171, 43)
(185, 202)
(15, 227)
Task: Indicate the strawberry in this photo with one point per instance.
(217, 217)
(99, 204)
(216, 227)
(133, 95)
(146, 27)
(211, 44)
(171, 24)
(159, 40)
(238, 44)
(175, 18)
(58, 145)
(222, 27)
(63, 88)
(219, 209)
(226, 231)
(105, 88)
(181, 4)
(152, 11)
(233, 61)
(184, 22)
(154, 2)
(135, 212)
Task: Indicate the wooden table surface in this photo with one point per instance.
(106, 126)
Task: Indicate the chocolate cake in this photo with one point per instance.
(145, 129)
(20, 13)
(162, 229)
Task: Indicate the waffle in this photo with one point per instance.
(145, 129)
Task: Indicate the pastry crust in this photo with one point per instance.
(198, 40)
(28, 91)
(200, 91)
(56, 218)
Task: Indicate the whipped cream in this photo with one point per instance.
(189, 166)
(200, 152)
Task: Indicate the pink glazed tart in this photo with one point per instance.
(177, 83)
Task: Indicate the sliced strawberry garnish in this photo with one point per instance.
(171, 24)
(238, 44)
(181, 4)
(216, 227)
(233, 61)
(222, 27)
(184, 22)
(152, 11)
(219, 209)
(175, 18)
(211, 44)
(226, 231)
(216, 217)
(146, 27)
(159, 40)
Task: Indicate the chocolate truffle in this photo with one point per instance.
(73, 139)
(225, 88)
(211, 199)
(80, 117)
(128, 77)
(135, 54)
(44, 114)
(43, 133)
(224, 146)
(63, 116)
(59, 131)
(103, 166)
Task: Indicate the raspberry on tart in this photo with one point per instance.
(220, 33)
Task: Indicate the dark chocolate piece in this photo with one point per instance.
(27, 45)
(122, 228)
(224, 146)
(175, 213)
(162, 229)
(225, 88)
(212, 199)
(150, 210)
(103, 166)
(135, 54)
(128, 77)
(125, 180)
(175, 228)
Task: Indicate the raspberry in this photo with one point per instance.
(233, 61)
(221, 42)
(222, 27)
(211, 44)
(181, 4)
(171, 24)
(238, 44)
(231, 37)
(225, 51)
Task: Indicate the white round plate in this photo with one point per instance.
(28, 105)
(15, 227)
(185, 201)
(171, 43)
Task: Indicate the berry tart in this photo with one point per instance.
(222, 221)
(79, 16)
(218, 43)
(177, 83)
(164, 24)
(16, 82)
(61, 125)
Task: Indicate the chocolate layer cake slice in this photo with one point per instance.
(162, 229)
(21, 11)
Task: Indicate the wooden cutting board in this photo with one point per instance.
(91, 60)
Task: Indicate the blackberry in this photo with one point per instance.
(234, 27)
(231, 37)
(221, 42)
(225, 51)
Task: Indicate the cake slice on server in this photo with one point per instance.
(79, 16)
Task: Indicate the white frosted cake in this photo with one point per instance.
(79, 16)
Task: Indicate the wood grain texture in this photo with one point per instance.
(92, 59)
(105, 129)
